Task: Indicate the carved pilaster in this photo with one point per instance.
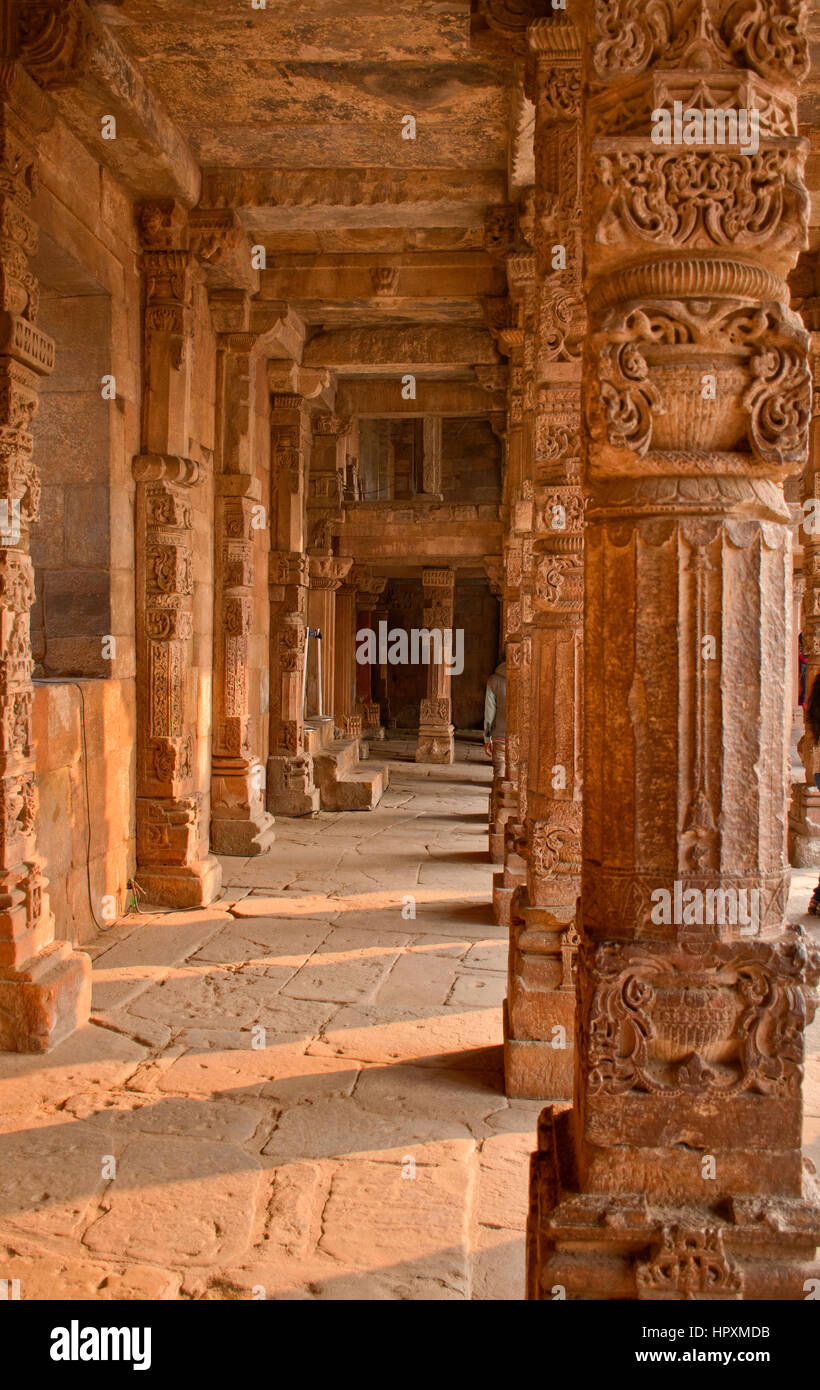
(539, 1005)
(369, 588)
(45, 987)
(436, 743)
(239, 822)
(291, 787)
(804, 818)
(327, 573)
(693, 992)
(328, 472)
(173, 864)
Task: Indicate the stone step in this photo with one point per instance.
(318, 733)
(344, 785)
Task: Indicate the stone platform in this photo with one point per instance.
(290, 1165)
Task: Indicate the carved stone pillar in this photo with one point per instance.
(174, 867)
(45, 987)
(678, 1173)
(517, 340)
(239, 822)
(431, 456)
(503, 802)
(369, 588)
(291, 788)
(539, 1009)
(344, 684)
(804, 818)
(436, 743)
(326, 487)
(379, 681)
(326, 575)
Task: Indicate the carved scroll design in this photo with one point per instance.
(688, 1262)
(722, 1020)
(631, 33)
(702, 198)
(770, 36)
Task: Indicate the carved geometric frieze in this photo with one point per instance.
(620, 904)
(438, 579)
(26, 344)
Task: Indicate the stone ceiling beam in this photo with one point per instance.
(327, 199)
(372, 399)
(71, 54)
(449, 275)
(400, 349)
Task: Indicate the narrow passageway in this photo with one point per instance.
(296, 1092)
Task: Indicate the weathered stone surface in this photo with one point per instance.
(307, 296)
(190, 1200)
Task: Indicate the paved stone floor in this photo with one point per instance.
(295, 1093)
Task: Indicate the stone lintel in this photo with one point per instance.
(76, 58)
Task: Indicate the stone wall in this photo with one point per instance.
(470, 461)
(83, 545)
(259, 639)
(69, 814)
(477, 612)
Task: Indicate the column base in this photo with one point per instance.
(503, 806)
(539, 1011)
(804, 826)
(505, 885)
(533, 1068)
(188, 885)
(436, 744)
(619, 1245)
(291, 789)
(44, 1002)
(242, 838)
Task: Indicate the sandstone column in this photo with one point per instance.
(45, 987)
(345, 657)
(431, 457)
(328, 467)
(436, 742)
(515, 337)
(368, 589)
(804, 822)
(173, 864)
(539, 1010)
(326, 575)
(503, 802)
(291, 788)
(239, 822)
(678, 1173)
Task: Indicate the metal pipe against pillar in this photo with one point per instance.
(318, 635)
